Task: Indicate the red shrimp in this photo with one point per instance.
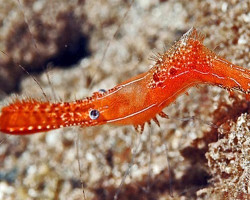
(136, 101)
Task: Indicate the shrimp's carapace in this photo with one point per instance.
(137, 100)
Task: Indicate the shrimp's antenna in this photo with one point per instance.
(44, 94)
(26, 21)
(4, 139)
(131, 163)
(50, 83)
(168, 164)
(110, 41)
(77, 141)
(2, 94)
(34, 42)
(150, 159)
(169, 171)
(192, 118)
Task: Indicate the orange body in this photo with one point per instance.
(137, 100)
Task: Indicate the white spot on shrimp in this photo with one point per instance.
(11, 130)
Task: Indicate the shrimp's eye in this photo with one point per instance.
(94, 114)
(102, 90)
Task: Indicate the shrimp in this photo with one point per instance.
(136, 101)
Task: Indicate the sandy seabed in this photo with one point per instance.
(208, 154)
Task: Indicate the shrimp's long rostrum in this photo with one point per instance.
(136, 101)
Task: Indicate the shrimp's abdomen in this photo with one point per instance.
(230, 76)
